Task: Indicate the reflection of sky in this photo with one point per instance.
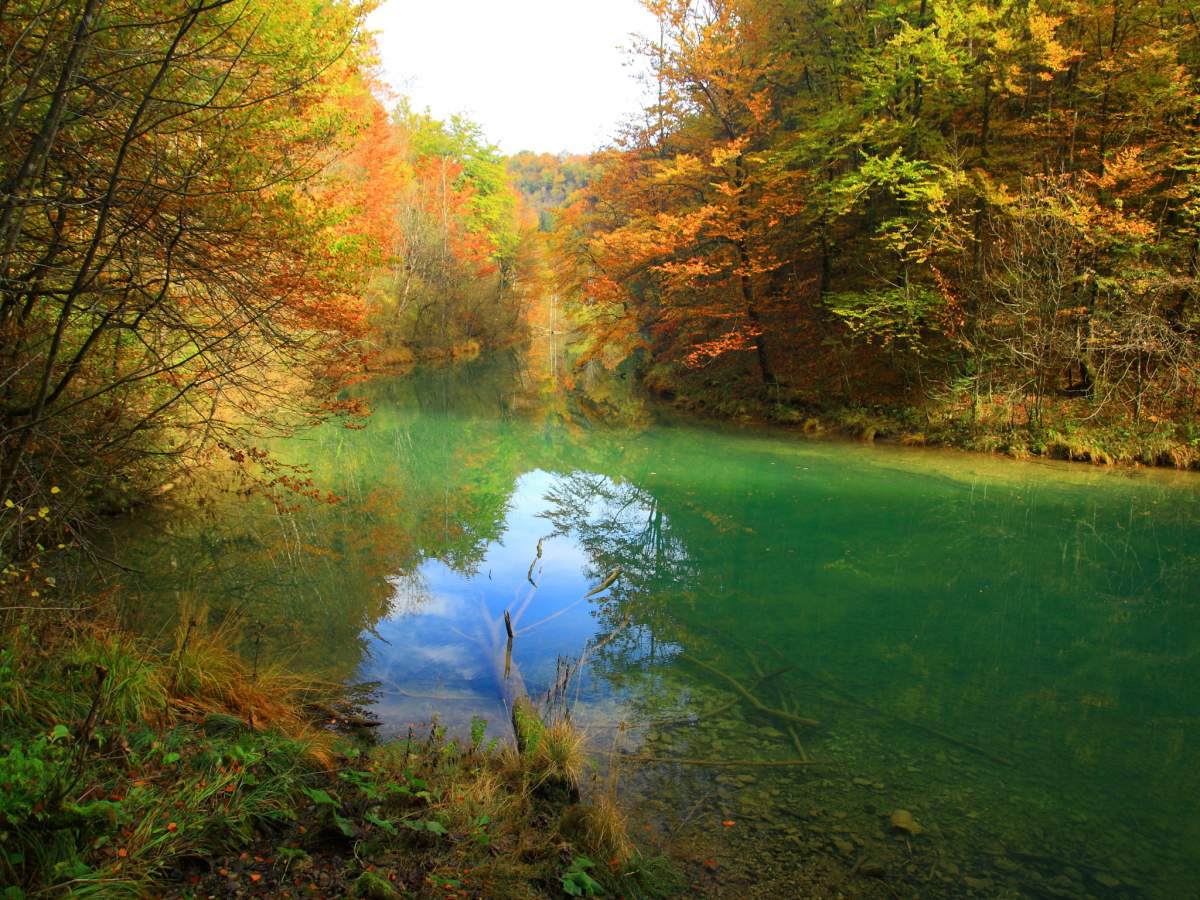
(433, 652)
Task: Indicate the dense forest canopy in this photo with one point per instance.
(981, 217)
(986, 211)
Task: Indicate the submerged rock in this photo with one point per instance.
(902, 820)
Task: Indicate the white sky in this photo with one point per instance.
(543, 75)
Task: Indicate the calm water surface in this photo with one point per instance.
(1009, 651)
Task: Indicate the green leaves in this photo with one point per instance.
(576, 881)
(319, 797)
(429, 826)
(891, 315)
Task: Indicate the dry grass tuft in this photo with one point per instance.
(559, 755)
(207, 676)
(606, 828)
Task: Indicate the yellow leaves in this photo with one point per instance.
(682, 168)
(729, 151)
(1054, 56)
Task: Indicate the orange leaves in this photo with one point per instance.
(739, 339)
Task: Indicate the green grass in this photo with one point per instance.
(126, 770)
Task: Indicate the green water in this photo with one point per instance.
(1009, 651)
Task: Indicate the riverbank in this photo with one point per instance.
(127, 769)
(1065, 432)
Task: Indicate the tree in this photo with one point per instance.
(169, 282)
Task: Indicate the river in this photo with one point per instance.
(1008, 651)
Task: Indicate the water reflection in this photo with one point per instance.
(436, 652)
(1011, 652)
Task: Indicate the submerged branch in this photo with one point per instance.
(749, 697)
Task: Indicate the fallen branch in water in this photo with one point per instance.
(605, 584)
(613, 576)
(559, 687)
(749, 697)
(529, 575)
(353, 721)
(848, 698)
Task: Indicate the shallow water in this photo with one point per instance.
(1009, 651)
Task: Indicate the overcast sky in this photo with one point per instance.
(544, 75)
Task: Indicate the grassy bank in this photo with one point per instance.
(1064, 429)
(128, 769)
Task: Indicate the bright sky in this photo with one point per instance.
(544, 75)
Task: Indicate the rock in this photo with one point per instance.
(902, 820)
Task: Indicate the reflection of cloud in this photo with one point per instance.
(424, 592)
(447, 655)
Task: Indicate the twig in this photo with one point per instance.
(48, 608)
(529, 575)
(112, 562)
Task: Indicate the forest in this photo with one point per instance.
(229, 247)
(969, 222)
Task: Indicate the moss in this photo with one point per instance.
(1069, 430)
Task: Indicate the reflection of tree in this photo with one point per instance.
(620, 526)
(623, 527)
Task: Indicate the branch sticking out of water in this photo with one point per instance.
(605, 584)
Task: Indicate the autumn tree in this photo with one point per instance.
(169, 280)
(862, 197)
